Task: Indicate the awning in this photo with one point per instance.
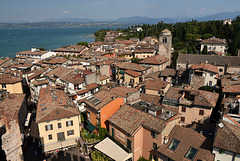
(112, 150)
(121, 72)
(27, 119)
(90, 126)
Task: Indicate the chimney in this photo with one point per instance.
(166, 139)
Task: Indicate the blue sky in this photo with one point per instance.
(38, 10)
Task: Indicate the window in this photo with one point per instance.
(48, 127)
(221, 151)
(59, 125)
(129, 144)
(183, 119)
(191, 153)
(154, 134)
(173, 145)
(4, 86)
(113, 132)
(50, 137)
(211, 74)
(69, 123)
(154, 146)
(61, 136)
(183, 109)
(201, 112)
(210, 83)
(70, 132)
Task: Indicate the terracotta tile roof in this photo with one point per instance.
(29, 52)
(3, 60)
(228, 137)
(231, 79)
(103, 77)
(82, 91)
(73, 78)
(56, 61)
(8, 79)
(174, 93)
(212, 59)
(155, 85)
(133, 73)
(204, 98)
(91, 86)
(40, 82)
(130, 119)
(54, 104)
(150, 98)
(205, 66)
(231, 89)
(59, 71)
(35, 74)
(167, 72)
(123, 91)
(71, 48)
(154, 75)
(213, 41)
(157, 59)
(104, 96)
(107, 62)
(10, 106)
(144, 50)
(188, 138)
(131, 66)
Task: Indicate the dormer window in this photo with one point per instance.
(174, 144)
(192, 152)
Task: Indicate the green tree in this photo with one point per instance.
(82, 43)
(41, 49)
(205, 51)
(135, 60)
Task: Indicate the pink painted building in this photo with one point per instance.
(139, 131)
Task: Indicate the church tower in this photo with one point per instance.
(165, 44)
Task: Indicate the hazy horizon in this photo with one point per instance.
(37, 11)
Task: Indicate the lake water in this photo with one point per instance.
(16, 40)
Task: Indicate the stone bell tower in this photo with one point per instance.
(165, 44)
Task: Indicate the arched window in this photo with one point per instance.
(164, 40)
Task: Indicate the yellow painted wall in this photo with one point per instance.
(14, 88)
(127, 80)
(54, 143)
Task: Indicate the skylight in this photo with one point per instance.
(93, 100)
(191, 153)
(173, 145)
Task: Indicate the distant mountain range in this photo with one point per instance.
(141, 20)
(126, 21)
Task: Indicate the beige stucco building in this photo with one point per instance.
(59, 122)
(11, 84)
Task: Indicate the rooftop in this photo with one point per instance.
(133, 73)
(186, 138)
(205, 66)
(123, 91)
(130, 119)
(231, 61)
(228, 137)
(8, 79)
(157, 60)
(54, 104)
(100, 99)
(155, 85)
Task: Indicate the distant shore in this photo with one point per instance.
(57, 25)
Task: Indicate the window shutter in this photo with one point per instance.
(72, 122)
(46, 128)
(66, 123)
(51, 127)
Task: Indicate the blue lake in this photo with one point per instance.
(16, 40)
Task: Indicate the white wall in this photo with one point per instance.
(48, 54)
(223, 157)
